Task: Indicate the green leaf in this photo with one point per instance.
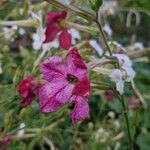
(6, 10)
(143, 141)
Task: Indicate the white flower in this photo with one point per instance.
(138, 45)
(101, 135)
(96, 46)
(22, 31)
(107, 29)
(75, 34)
(111, 114)
(21, 130)
(37, 42)
(124, 60)
(119, 76)
(130, 73)
(9, 32)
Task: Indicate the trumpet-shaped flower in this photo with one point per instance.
(27, 90)
(124, 73)
(67, 82)
(54, 29)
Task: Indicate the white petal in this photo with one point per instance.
(107, 29)
(124, 60)
(21, 130)
(138, 45)
(120, 86)
(22, 31)
(130, 74)
(36, 45)
(116, 75)
(96, 46)
(74, 33)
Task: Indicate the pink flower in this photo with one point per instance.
(67, 82)
(53, 29)
(109, 95)
(6, 139)
(27, 90)
(133, 102)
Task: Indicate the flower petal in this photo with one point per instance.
(82, 88)
(54, 95)
(75, 64)
(53, 17)
(26, 101)
(51, 32)
(65, 39)
(81, 109)
(53, 69)
(120, 86)
(24, 86)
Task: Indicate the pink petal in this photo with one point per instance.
(65, 40)
(53, 69)
(81, 109)
(54, 95)
(26, 101)
(24, 86)
(82, 88)
(75, 64)
(51, 32)
(53, 17)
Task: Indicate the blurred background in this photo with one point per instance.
(124, 21)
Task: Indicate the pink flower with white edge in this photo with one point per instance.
(27, 89)
(67, 82)
(54, 29)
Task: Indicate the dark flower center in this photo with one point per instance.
(71, 78)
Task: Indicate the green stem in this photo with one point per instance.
(127, 122)
(103, 35)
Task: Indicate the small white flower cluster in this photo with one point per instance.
(9, 32)
(101, 135)
(123, 74)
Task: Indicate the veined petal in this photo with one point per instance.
(75, 64)
(65, 39)
(53, 69)
(54, 94)
(82, 88)
(81, 109)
